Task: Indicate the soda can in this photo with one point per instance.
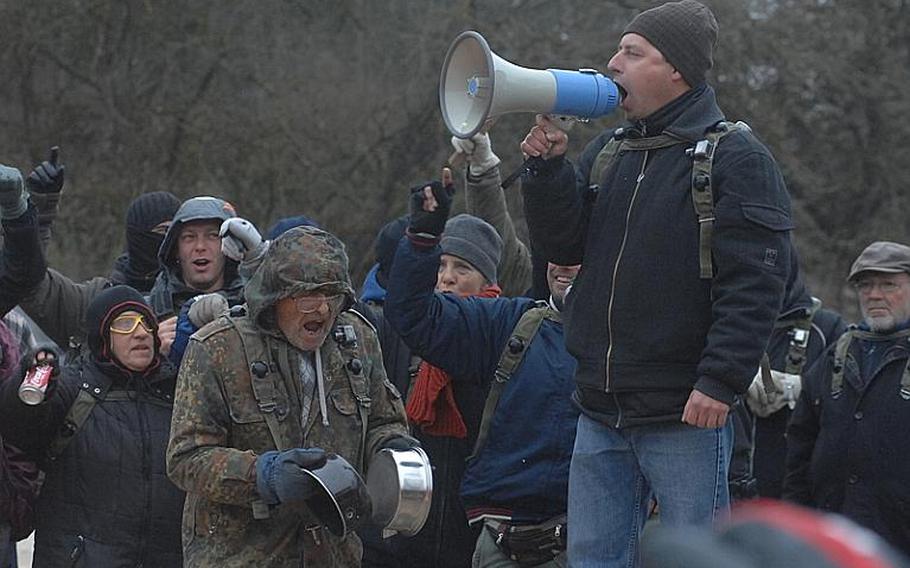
(33, 387)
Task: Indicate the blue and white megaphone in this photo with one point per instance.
(476, 84)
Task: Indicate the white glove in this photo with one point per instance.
(206, 308)
(240, 239)
(786, 392)
(478, 152)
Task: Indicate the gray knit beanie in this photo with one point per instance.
(474, 240)
(684, 32)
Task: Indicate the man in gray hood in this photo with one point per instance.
(191, 259)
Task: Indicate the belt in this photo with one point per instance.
(530, 545)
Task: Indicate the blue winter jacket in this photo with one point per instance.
(523, 469)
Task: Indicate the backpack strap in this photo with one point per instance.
(603, 161)
(86, 399)
(512, 355)
(840, 361)
(351, 348)
(800, 333)
(264, 375)
(618, 143)
(702, 194)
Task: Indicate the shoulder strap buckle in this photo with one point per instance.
(703, 150)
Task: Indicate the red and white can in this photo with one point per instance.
(33, 387)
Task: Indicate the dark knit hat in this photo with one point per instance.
(288, 223)
(386, 244)
(150, 209)
(107, 305)
(474, 240)
(881, 256)
(684, 32)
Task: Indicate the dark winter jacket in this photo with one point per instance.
(760, 443)
(848, 452)
(106, 500)
(643, 325)
(18, 272)
(522, 470)
(122, 273)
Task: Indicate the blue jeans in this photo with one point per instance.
(615, 472)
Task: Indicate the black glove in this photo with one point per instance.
(401, 443)
(47, 177)
(430, 223)
(280, 477)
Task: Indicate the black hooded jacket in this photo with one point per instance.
(106, 501)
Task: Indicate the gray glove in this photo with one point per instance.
(240, 240)
(13, 202)
(786, 392)
(478, 152)
(206, 308)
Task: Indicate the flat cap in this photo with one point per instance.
(881, 256)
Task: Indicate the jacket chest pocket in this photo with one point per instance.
(249, 429)
(344, 432)
(346, 408)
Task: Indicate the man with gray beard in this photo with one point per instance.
(848, 449)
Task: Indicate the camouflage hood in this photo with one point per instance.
(302, 259)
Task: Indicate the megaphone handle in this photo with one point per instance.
(565, 123)
(532, 163)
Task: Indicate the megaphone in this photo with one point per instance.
(476, 84)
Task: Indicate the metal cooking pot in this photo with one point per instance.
(400, 483)
(343, 504)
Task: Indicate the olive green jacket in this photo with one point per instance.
(485, 198)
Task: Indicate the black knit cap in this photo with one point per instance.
(106, 306)
(684, 32)
(150, 209)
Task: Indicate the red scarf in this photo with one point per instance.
(431, 405)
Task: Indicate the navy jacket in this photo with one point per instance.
(645, 328)
(849, 453)
(523, 469)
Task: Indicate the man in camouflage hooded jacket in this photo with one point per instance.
(278, 384)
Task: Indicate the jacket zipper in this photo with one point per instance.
(622, 247)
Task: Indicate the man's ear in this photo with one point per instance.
(677, 78)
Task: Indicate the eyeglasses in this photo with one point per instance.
(886, 286)
(127, 324)
(311, 304)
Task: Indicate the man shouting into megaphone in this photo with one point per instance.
(670, 315)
